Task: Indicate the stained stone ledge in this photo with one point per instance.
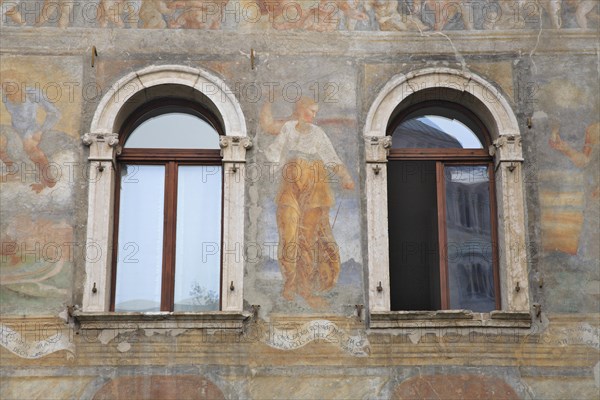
(449, 319)
(161, 320)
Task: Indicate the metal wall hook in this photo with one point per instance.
(255, 308)
(94, 290)
(359, 309)
(231, 287)
(538, 311)
(518, 288)
(379, 287)
(94, 55)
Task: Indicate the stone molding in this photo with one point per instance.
(377, 148)
(507, 149)
(233, 148)
(76, 41)
(162, 320)
(450, 319)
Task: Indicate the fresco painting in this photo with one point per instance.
(307, 251)
(569, 171)
(587, 160)
(307, 199)
(38, 151)
(563, 177)
(465, 386)
(308, 15)
(166, 387)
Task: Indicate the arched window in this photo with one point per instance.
(445, 204)
(439, 163)
(168, 208)
(181, 123)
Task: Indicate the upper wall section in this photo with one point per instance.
(306, 15)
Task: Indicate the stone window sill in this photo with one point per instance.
(161, 320)
(449, 319)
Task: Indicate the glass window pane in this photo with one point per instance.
(139, 255)
(469, 232)
(198, 248)
(432, 131)
(174, 131)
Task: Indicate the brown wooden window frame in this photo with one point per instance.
(451, 157)
(171, 159)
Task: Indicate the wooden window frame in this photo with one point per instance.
(171, 159)
(451, 157)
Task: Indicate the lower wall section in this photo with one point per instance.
(44, 358)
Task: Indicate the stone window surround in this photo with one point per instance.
(103, 143)
(495, 111)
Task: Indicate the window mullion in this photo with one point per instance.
(168, 277)
(442, 235)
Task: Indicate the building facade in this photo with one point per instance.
(373, 199)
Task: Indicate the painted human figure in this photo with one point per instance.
(390, 19)
(588, 160)
(62, 7)
(109, 12)
(23, 103)
(198, 14)
(154, 12)
(585, 10)
(308, 254)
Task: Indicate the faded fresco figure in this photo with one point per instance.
(198, 14)
(11, 10)
(53, 10)
(109, 12)
(23, 103)
(585, 10)
(154, 12)
(390, 19)
(588, 160)
(308, 254)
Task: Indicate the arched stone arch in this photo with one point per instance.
(103, 141)
(494, 110)
(215, 89)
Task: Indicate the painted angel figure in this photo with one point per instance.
(22, 104)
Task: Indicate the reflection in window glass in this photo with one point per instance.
(174, 131)
(469, 238)
(139, 254)
(198, 248)
(432, 131)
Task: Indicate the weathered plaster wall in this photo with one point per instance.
(294, 348)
